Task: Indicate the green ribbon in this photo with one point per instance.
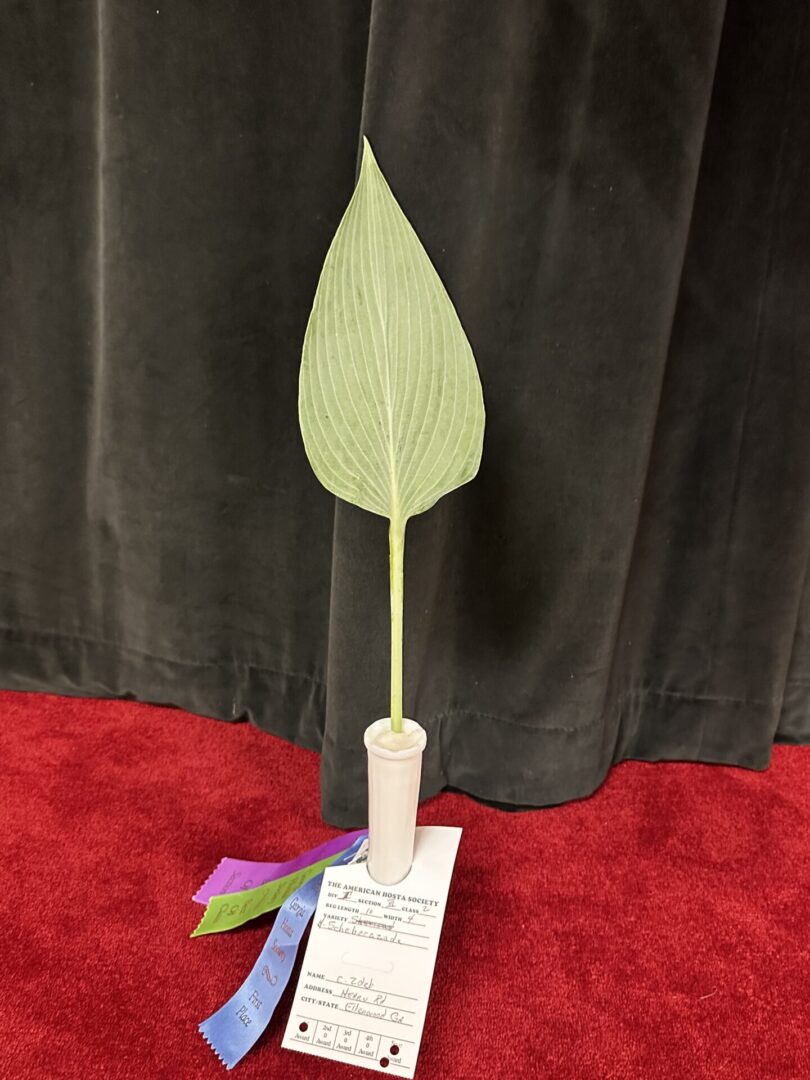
(228, 911)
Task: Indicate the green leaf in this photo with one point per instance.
(389, 397)
(390, 402)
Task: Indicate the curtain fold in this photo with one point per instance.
(613, 194)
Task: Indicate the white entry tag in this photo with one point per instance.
(363, 990)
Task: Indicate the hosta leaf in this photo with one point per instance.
(390, 402)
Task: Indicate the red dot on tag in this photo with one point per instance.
(384, 1062)
(303, 1027)
(395, 1050)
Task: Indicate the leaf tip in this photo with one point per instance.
(368, 154)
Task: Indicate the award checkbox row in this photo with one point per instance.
(366, 1044)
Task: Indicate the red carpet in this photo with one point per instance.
(656, 930)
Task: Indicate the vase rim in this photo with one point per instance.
(409, 726)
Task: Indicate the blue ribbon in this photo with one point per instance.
(233, 1029)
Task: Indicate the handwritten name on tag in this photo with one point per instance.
(363, 990)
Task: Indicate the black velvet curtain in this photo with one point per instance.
(615, 193)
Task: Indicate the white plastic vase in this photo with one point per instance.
(394, 776)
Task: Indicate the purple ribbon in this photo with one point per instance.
(234, 875)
